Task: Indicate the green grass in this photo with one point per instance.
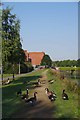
(64, 109)
(7, 75)
(10, 102)
(69, 68)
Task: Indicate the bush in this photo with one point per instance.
(24, 68)
(8, 68)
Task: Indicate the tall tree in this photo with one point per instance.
(12, 48)
(11, 44)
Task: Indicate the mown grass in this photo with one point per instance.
(10, 102)
(65, 109)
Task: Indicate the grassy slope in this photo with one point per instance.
(10, 102)
(65, 109)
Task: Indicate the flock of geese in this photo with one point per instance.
(30, 100)
(51, 95)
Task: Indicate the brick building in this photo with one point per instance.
(34, 57)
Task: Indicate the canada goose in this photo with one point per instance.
(47, 91)
(32, 100)
(39, 82)
(19, 92)
(64, 95)
(25, 96)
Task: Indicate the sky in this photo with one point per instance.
(50, 27)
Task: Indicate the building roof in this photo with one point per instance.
(35, 57)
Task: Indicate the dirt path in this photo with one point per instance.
(43, 107)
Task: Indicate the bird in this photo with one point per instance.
(64, 95)
(25, 96)
(19, 92)
(32, 100)
(47, 91)
(37, 83)
(52, 96)
(51, 81)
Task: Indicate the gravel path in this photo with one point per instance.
(43, 107)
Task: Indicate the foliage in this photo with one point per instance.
(46, 61)
(66, 63)
(11, 45)
(24, 68)
(78, 62)
(12, 52)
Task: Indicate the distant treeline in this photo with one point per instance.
(67, 63)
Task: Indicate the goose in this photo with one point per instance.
(32, 100)
(19, 92)
(47, 91)
(52, 96)
(51, 81)
(64, 95)
(39, 82)
(25, 96)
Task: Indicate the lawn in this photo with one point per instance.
(10, 102)
(7, 75)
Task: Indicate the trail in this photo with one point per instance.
(43, 107)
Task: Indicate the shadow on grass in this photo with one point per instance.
(11, 89)
(39, 110)
(26, 79)
(9, 92)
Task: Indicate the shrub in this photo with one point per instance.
(24, 68)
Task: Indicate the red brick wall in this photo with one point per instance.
(36, 57)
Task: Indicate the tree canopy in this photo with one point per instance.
(12, 52)
(66, 63)
(46, 61)
(11, 44)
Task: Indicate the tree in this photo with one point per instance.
(12, 52)
(46, 61)
(65, 63)
(11, 44)
(78, 62)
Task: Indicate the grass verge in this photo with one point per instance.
(65, 109)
